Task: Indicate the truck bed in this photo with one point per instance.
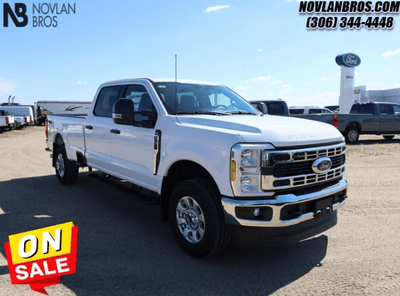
(72, 132)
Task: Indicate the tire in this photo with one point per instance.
(66, 170)
(388, 138)
(39, 122)
(201, 230)
(351, 135)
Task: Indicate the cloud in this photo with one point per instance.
(287, 89)
(261, 78)
(275, 82)
(390, 53)
(376, 85)
(396, 85)
(81, 82)
(243, 87)
(325, 78)
(216, 8)
(7, 87)
(259, 49)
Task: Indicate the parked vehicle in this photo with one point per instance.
(20, 120)
(309, 110)
(370, 118)
(23, 114)
(274, 107)
(333, 108)
(220, 168)
(6, 121)
(70, 108)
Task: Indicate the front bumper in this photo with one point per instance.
(277, 205)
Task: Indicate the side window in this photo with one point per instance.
(141, 101)
(275, 108)
(106, 100)
(314, 111)
(296, 111)
(366, 109)
(396, 109)
(385, 109)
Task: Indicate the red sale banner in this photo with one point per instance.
(40, 257)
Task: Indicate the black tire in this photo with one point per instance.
(351, 135)
(388, 138)
(39, 122)
(208, 213)
(67, 171)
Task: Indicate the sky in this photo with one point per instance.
(260, 49)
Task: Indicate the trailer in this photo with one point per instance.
(65, 108)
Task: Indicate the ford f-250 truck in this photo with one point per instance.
(370, 118)
(221, 169)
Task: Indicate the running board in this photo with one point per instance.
(142, 194)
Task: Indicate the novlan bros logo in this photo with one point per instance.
(43, 14)
(19, 11)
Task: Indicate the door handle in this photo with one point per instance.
(115, 131)
(89, 127)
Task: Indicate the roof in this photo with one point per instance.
(152, 79)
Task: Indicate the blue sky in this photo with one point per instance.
(260, 49)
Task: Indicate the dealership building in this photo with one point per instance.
(362, 95)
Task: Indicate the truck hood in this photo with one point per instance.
(280, 131)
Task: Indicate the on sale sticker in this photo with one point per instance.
(40, 257)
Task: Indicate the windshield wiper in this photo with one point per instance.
(203, 112)
(240, 112)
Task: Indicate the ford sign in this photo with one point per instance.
(322, 165)
(348, 60)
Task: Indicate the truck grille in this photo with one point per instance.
(293, 168)
(303, 167)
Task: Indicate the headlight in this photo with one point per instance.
(246, 162)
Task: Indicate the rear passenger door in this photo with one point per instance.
(132, 146)
(396, 110)
(386, 118)
(97, 129)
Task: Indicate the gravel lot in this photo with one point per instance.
(124, 249)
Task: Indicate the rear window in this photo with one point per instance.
(296, 111)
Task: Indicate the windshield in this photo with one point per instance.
(201, 99)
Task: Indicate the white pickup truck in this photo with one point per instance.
(6, 121)
(221, 169)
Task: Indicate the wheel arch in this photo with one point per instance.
(180, 171)
(355, 124)
(58, 141)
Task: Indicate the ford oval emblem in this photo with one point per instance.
(348, 60)
(322, 165)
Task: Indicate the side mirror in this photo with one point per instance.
(261, 107)
(123, 112)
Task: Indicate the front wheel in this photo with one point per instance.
(66, 170)
(351, 135)
(388, 138)
(196, 218)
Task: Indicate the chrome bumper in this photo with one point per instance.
(277, 204)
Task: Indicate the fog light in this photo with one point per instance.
(256, 212)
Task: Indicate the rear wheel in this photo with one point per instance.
(196, 218)
(351, 135)
(388, 138)
(66, 170)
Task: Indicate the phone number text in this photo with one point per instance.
(314, 22)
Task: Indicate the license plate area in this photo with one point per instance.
(323, 207)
